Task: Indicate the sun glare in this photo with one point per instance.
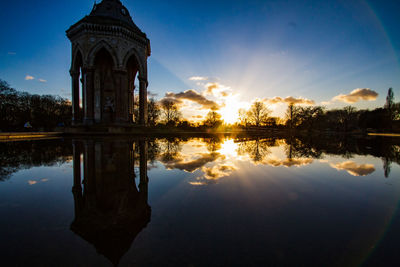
(230, 112)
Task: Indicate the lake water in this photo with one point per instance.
(203, 201)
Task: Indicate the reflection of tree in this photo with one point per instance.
(297, 149)
(213, 143)
(15, 156)
(257, 149)
(170, 149)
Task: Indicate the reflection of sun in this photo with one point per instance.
(228, 148)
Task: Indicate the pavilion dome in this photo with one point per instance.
(112, 12)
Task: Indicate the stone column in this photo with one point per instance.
(88, 95)
(76, 113)
(143, 101)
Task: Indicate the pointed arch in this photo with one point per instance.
(142, 67)
(77, 58)
(100, 45)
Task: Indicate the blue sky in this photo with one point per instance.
(257, 49)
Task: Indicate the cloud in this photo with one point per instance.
(171, 99)
(210, 87)
(194, 96)
(11, 53)
(353, 169)
(42, 80)
(198, 78)
(29, 77)
(290, 100)
(31, 182)
(357, 95)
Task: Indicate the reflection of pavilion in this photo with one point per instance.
(110, 211)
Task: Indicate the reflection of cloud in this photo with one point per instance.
(33, 182)
(193, 165)
(213, 174)
(287, 162)
(358, 95)
(194, 96)
(29, 77)
(198, 78)
(290, 100)
(197, 183)
(218, 171)
(354, 169)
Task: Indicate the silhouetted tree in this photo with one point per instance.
(258, 114)
(170, 111)
(213, 119)
(389, 105)
(292, 116)
(154, 112)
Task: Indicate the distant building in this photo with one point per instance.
(108, 52)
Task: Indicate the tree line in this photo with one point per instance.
(46, 112)
(42, 112)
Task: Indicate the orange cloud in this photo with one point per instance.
(194, 96)
(29, 78)
(358, 95)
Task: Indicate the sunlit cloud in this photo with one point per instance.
(357, 95)
(290, 100)
(194, 96)
(198, 78)
(31, 182)
(354, 169)
(42, 80)
(29, 78)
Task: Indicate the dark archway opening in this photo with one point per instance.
(104, 88)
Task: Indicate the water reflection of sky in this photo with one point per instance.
(235, 203)
(207, 162)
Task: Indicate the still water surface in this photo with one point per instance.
(212, 201)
